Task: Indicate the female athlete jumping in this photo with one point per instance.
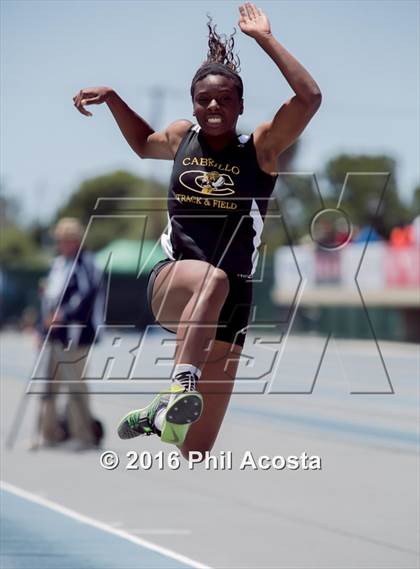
(217, 201)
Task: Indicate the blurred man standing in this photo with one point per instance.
(72, 310)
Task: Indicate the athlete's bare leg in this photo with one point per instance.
(216, 384)
(188, 296)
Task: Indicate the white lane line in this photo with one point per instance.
(114, 525)
(150, 531)
(163, 531)
(100, 525)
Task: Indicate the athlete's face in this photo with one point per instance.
(217, 105)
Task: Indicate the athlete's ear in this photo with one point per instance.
(241, 107)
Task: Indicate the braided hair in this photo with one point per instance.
(220, 59)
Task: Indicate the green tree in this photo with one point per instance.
(415, 203)
(120, 194)
(363, 193)
(17, 246)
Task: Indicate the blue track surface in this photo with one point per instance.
(352, 429)
(36, 537)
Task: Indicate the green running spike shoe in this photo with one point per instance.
(182, 409)
(141, 421)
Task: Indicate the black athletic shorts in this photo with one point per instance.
(234, 315)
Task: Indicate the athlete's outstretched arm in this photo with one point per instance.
(272, 138)
(140, 136)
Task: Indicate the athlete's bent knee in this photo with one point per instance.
(217, 285)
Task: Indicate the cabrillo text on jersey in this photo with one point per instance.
(188, 161)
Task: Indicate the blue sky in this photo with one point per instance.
(363, 54)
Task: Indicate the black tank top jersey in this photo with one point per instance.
(217, 203)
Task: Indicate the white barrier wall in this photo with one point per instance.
(377, 266)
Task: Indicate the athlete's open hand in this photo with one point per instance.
(253, 21)
(91, 96)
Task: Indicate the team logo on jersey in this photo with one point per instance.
(209, 183)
